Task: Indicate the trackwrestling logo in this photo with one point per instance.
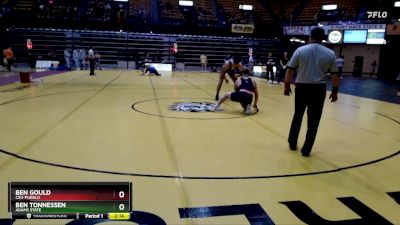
(193, 107)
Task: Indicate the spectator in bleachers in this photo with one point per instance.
(227, 59)
(4, 10)
(43, 11)
(147, 58)
(72, 12)
(157, 57)
(251, 63)
(52, 55)
(107, 12)
(121, 14)
(168, 6)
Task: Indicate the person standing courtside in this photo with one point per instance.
(311, 63)
(9, 57)
(67, 57)
(82, 58)
(92, 62)
(283, 66)
(340, 64)
(75, 57)
(203, 62)
(270, 68)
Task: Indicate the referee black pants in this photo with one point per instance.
(270, 73)
(92, 65)
(312, 97)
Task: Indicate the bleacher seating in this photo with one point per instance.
(217, 48)
(284, 9)
(231, 12)
(122, 46)
(259, 16)
(166, 16)
(261, 12)
(206, 13)
(140, 8)
(5, 8)
(169, 9)
(25, 5)
(348, 10)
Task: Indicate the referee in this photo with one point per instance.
(92, 62)
(311, 63)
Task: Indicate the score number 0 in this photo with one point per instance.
(121, 195)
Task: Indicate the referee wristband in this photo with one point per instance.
(335, 90)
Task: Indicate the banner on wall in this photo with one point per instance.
(45, 64)
(242, 28)
(295, 30)
(393, 29)
(305, 30)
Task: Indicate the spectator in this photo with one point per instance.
(270, 68)
(67, 57)
(374, 65)
(52, 55)
(283, 66)
(9, 57)
(83, 59)
(75, 57)
(203, 62)
(97, 57)
(340, 64)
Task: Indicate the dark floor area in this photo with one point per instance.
(369, 87)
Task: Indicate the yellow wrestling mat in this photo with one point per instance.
(215, 168)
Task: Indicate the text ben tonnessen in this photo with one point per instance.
(37, 206)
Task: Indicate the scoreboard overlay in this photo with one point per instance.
(70, 200)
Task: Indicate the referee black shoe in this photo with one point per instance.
(292, 146)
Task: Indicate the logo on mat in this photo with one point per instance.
(193, 106)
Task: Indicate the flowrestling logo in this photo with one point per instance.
(193, 107)
(377, 14)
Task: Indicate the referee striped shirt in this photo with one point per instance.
(312, 62)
